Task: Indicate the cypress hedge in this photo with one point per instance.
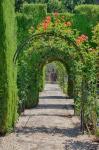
(85, 18)
(7, 69)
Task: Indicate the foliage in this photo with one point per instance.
(57, 33)
(96, 35)
(30, 17)
(56, 5)
(8, 98)
(70, 4)
(96, 41)
(62, 76)
(53, 39)
(88, 16)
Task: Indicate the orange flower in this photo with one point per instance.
(48, 18)
(45, 26)
(46, 23)
(68, 24)
(81, 39)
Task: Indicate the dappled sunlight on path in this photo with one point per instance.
(50, 126)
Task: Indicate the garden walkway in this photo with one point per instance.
(50, 126)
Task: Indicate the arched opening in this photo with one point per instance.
(54, 86)
(79, 61)
(70, 56)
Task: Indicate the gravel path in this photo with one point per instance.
(50, 126)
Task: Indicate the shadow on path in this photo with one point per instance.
(54, 97)
(69, 132)
(55, 106)
(55, 115)
(80, 145)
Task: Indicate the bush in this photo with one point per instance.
(96, 40)
(7, 68)
(24, 22)
(91, 11)
(86, 17)
(96, 35)
(55, 5)
(37, 11)
(32, 15)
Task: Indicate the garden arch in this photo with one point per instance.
(30, 39)
(41, 57)
(81, 94)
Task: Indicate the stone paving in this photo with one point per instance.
(50, 126)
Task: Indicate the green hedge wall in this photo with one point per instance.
(7, 68)
(31, 15)
(37, 11)
(85, 18)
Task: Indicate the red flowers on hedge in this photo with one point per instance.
(81, 39)
(46, 22)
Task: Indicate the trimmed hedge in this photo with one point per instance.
(88, 10)
(37, 11)
(7, 69)
(31, 15)
(85, 18)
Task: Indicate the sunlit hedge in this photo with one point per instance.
(7, 68)
(31, 15)
(86, 17)
(28, 19)
(80, 60)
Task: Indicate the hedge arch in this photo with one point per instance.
(28, 41)
(41, 58)
(8, 102)
(78, 86)
(52, 54)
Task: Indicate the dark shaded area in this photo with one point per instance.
(69, 132)
(78, 145)
(55, 106)
(54, 115)
(53, 97)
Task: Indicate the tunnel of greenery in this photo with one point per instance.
(56, 72)
(51, 42)
(44, 38)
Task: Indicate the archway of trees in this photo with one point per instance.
(52, 40)
(82, 84)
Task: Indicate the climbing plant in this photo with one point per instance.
(55, 39)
